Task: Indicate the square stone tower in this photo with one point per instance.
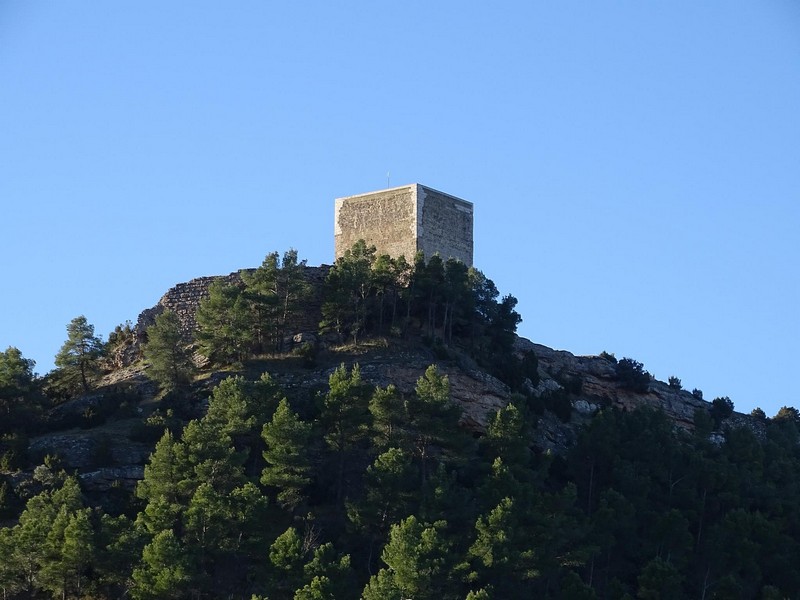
(405, 219)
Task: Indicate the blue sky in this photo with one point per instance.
(635, 166)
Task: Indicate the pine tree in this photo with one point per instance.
(79, 355)
(166, 571)
(348, 290)
(275, 291)
(223, 324)
(417, 558)
(286, 455)
(170, 362)
(345, 416)
(434, 418)
(162, 487)
(390, 484)
(286, 557)
(388, 412)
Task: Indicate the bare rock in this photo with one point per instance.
(102, 480)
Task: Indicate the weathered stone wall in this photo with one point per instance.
(184, 298)
(444, 225)
(386, 219)
(402, 220)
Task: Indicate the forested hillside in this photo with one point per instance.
(277, 468)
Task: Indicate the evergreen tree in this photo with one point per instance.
(20, 406)
(457, 297)
(288, 464)
(162, 486)
(390, 485)
(240, 408)
(505, 437)
(170, 361)
(165, 571)
(348, 290)
(501, 552)
(388, 411)
(286, 556)
(418, 559)
(275, 292)
(16, 373)
(433, 418)
(79, 356)
(223, 324)
(119, 545)
(36, 542)
(330, 576)
(344, 417)
(70, 553)
(11, 580)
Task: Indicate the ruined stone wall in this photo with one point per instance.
(386, 219)
(184, 298)
(444, 225)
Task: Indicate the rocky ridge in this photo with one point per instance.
(478, 394)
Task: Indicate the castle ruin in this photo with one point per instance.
(403, 220)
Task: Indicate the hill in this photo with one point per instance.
(410, 446)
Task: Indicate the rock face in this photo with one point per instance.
(600, 385)
(104, 479)
(85, 451)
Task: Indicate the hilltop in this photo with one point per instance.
(573, 387)
(376, 429)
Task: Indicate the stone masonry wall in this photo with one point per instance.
(402, 220)
(445, 225)
(184, 298)
(386, 219)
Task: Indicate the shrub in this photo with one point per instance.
(13, 451)
(632, 376)
(697, 393)
(151, 429)
(787, 413)
(609, 356)
(721, 409)
(308, 352)
(675, 383)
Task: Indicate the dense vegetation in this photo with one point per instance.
(357, 491)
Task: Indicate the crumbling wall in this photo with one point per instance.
(184, 298)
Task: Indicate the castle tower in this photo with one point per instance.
(405, 219)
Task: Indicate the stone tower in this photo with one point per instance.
(405, 219)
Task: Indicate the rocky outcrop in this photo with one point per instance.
(88, 450)
(104, 479)
(600, 386)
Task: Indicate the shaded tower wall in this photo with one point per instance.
(405, 219)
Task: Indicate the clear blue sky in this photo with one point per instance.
(635, 166)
